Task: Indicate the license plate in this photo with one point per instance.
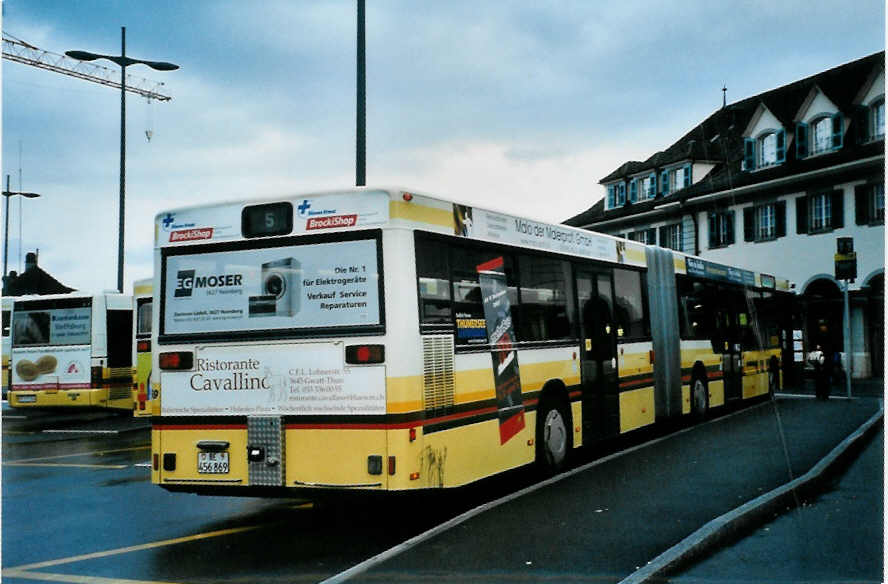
(212, 462)
(27, 399)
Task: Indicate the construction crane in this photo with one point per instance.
(21, 52)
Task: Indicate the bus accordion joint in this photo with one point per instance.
(364, 354)
(176, 360)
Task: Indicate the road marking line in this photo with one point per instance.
(73, 579)
(5, 417)
(133, 548)
(92, 453)
(80, 432)
(64, 464)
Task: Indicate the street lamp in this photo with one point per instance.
(7, 194)
(124, 62)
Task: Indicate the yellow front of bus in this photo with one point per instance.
(269, 343)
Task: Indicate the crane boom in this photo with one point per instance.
(27, 54)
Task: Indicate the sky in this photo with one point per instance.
(517, 106)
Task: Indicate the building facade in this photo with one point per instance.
(770, 183)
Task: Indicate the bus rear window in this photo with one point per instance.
(36, 325)
(301, 287)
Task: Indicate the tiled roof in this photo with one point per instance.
(719, 138)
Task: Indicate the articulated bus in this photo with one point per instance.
(141, 357)
(72, 350)
(385, 340)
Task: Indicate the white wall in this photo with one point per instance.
(799, 257)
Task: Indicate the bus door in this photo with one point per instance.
(729, 338)
(598, 350)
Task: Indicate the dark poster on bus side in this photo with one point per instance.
(498, 314)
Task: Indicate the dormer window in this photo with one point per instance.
(821, 135)
(768, 149)
(675, 179)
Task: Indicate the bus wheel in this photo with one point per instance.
(699, 399)
(553, 437)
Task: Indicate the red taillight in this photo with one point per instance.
(412, 434)
(391, 465)
(143, 346)
(156, 461)
(176, 360)
(360, 354)
(96, 374)
(407, 197)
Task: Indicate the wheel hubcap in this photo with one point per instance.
(699, 397)
(555, 437)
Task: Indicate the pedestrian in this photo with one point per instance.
(822, 372)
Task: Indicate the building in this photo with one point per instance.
(770, 183)
(33, 280)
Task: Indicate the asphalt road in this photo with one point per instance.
(78, 506)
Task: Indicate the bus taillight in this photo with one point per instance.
(176, 360)
(359, 354)
(143, 346)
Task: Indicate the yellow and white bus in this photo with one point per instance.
(142, 303)
(72, 350)
(382, 339)
(7, 319)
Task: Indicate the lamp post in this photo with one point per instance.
(124, 62)
(7, 194)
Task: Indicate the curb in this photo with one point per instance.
(726, 527)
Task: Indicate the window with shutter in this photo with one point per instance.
(633, 191)
(801, 140)
(748, 154)
(802, 214)
(838, 130)
(611, 197)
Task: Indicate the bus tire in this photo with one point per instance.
(699, 398)
(554, 440)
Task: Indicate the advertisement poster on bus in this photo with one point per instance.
(300, 286)
(291, 379)
(492, 226)
(51, 368)
(498, 314)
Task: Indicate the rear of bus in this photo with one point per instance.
(72, 351)
(7, 343)
(142, 304)
(268, 344)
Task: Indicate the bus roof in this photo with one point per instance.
(375, 207)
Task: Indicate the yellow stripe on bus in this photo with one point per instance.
(636, 409)
(421, 213)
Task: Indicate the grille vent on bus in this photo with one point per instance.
(437, 378)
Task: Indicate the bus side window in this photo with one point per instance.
(120, 336)
(433, 274)
(468, 307)
(630, 313)
(547, 304)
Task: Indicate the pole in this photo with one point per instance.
(361, 147)
(6, 234)
(847, 343)
(121, 211)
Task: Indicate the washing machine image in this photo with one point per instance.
(280, 289)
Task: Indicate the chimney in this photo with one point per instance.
(30, 261)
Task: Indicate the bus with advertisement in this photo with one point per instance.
(7, 319)
(72, 350)
(386, 340)
(141, 358)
